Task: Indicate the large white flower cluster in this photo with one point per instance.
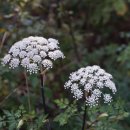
(33, 52)
(93, 83)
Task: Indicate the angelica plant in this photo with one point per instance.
(35, 54)
(92, 84)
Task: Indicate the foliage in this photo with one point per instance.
(90, 32)
(70, 111)
(18, 118)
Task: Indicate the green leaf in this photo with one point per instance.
(102, 116)
(62, 103)
(20, 123)
(64, 117)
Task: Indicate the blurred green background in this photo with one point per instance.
(89, 32)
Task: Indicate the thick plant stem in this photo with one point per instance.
(84, 117)
(28, 92)
(42, 76)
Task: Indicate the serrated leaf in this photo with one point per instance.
(7, 113)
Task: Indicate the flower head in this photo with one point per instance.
(93, 83)
(32, 52)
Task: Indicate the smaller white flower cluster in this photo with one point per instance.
(32, 52)
(93, 83)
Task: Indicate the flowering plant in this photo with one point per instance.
(32, 53)
(93, 83)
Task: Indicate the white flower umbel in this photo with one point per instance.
(92, 82)
(32, 52)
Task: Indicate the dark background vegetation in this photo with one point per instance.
(89, 31)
